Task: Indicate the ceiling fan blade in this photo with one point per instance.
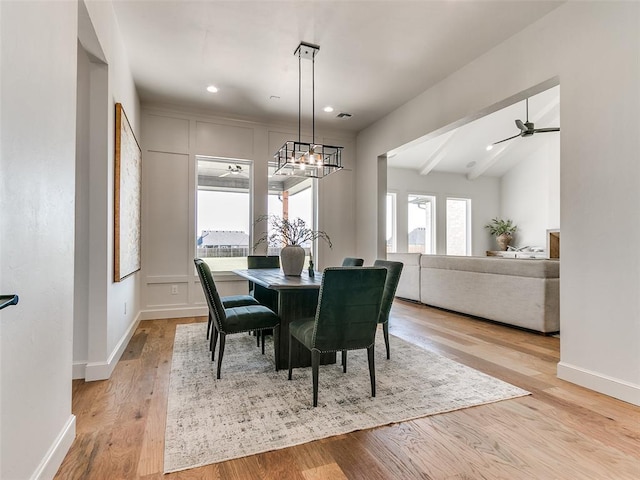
(506, 139)
(543, 130)
(521, 125)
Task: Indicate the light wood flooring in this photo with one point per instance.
(561, 431)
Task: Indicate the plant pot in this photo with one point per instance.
(292, 260)
(504, 240)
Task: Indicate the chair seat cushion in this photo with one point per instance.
(302, 330)
(232, 301)
(249, 317)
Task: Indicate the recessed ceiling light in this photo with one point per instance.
(328, 109)
(212, 89)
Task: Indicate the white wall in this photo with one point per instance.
(484, 193)
(107, 322)
(171, 140)
(530, 194)
(38, 109)
(594, 50)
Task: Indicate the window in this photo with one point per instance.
(392, 244)
(294, 201)
(421, 223)
(458, 226)
(223, 220)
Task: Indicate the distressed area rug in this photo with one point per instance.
(254, 409)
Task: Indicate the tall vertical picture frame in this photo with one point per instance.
(127, 199)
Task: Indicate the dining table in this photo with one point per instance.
(297, 298)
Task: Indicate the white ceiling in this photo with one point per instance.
(463, 150)
(374, 55)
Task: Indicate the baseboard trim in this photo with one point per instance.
(103, 370)
(180, 312)
(78, 370)
(598, 382)
(53, 459)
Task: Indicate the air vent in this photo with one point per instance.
(343, 115)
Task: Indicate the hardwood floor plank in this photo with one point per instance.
(325, 472)
(561, 431)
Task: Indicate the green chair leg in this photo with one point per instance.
(344, 361)
(385, 331)
(315, 366)
(372, 370)
(220, 353)
(213, 342)
(290, 349)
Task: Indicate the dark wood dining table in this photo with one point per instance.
(297, 298)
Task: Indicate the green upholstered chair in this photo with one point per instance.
(228, 321)
(346, 317)
(230, 301)
(264, 296)
(352, 262)
(394, 269)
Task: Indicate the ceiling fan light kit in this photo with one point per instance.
(302, 159)
(527, 129)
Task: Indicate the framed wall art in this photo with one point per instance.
(127, 199)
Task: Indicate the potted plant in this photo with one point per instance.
(290, 235)
(503, 231)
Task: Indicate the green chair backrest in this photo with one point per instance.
(348, 308)
(394, 269)
(263, 261)
(352, 262)
(211, 293)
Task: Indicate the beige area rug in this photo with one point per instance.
(254, 409)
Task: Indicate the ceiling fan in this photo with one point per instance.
(233, 170)
(526, 129)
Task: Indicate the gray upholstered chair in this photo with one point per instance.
(394, 269)
(352, 262)
(228, 321)
(346, 318)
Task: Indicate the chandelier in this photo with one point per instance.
(298, 158)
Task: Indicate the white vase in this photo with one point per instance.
(292, 260)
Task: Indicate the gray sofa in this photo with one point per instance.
(520, 292)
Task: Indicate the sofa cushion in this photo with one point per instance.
(409, 284)
(536, 268)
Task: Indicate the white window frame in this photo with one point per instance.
(394, 220)
(434, 223)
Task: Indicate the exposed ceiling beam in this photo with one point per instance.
(438, 154)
